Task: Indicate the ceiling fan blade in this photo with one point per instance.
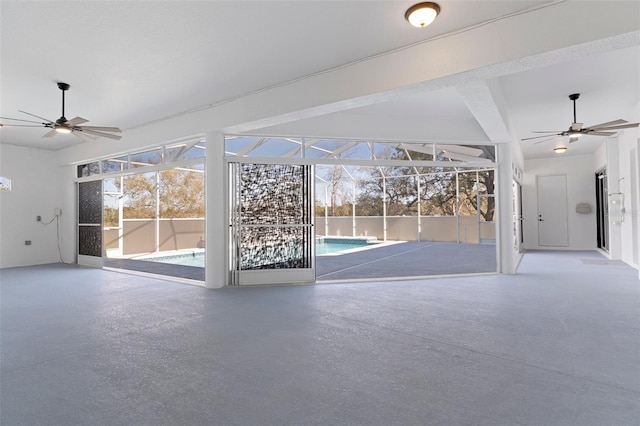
(608, 123)
(544, 140)
(101, 134)
(624, 126)
(84, 137)
(601, 133)
(50, 134)
(33, 115)
(538, 137)
(102, 129)
(75, 121)
(17, 119)
(548, 131)
(20, 125)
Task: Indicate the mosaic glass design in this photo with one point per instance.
(90, 202)
(90, 213)
(274, 248)
(90, 240)
(273, 216)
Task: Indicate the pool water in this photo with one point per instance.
(323, 246)
(332, 247)
(195, 259)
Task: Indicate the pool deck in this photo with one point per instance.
(408, 259)
(157, 268)
(401, 260)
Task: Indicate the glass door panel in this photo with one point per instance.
(272, 235)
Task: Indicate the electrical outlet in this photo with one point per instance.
(38, 218)
(27, 242)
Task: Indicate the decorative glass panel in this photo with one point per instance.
(274, 248)
(90, 218)
(90, 202)
(90, 241)
(274, 216)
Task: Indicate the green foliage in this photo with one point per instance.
(181, 195)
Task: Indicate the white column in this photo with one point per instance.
(157, 221)
(419, 207)
(506, 254)
(384, 208)
(353, 211)
(613, 185)
(216, 229)
(326, 210)
(457, 212)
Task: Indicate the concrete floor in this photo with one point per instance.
(406, 259)
(558, 344)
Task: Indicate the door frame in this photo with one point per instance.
(268, 276)
(542, 219)
(85, 259)
(602, 210)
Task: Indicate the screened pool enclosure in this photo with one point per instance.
(417, 192)
(282, 196)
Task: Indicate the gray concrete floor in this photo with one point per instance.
(557, 344)
(407, 259)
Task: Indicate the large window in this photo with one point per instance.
(153, 202)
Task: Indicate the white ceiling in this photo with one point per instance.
(134, 62)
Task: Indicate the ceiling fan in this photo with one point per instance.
(576, 130)
(62, 125)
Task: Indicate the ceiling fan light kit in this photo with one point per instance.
(62, 125)
(422, 14)
(576, 130)
(63, 129)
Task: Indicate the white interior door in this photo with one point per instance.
(553, 228)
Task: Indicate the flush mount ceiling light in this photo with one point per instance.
(560, 149)
(422, 14)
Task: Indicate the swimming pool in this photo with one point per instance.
(339, 245)
(324, 246)
(186, 259)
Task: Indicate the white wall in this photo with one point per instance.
(580, 189)
(627, 164)
(35, 191)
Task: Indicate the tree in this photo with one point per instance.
(437, 190)
(338, 190)
(180, 192)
